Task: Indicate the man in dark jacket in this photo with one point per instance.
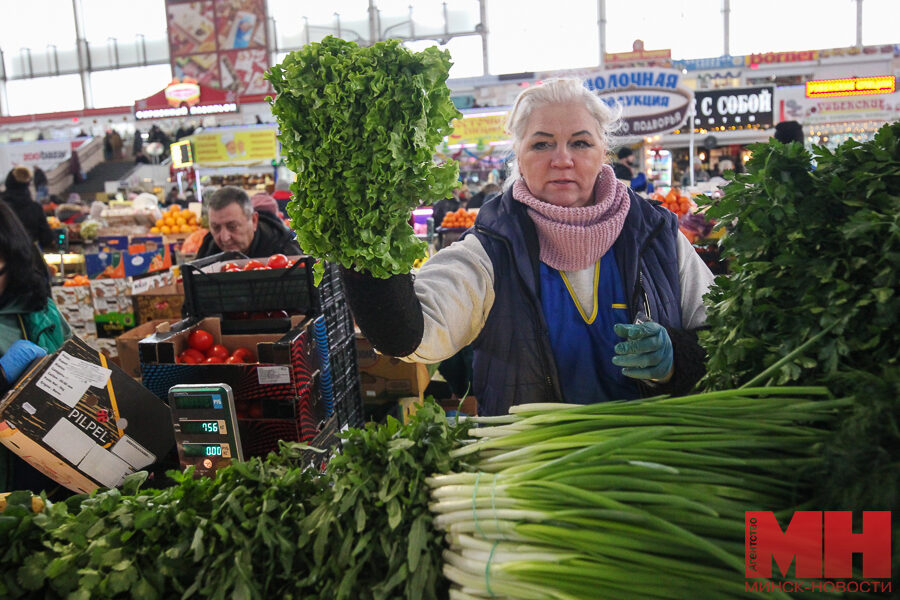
(18, 197)
(624, 169)
(235, 226)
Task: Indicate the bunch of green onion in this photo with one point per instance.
(639, 499)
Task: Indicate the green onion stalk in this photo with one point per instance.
(626, 499)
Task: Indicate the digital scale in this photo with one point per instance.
(205, 423)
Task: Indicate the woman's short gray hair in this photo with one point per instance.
(562, 90)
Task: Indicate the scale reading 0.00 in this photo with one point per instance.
(203, 450)
(202, 427)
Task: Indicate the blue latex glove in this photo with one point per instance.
(647, 352)
(21, 354)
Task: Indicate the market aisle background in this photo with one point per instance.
(524, 35)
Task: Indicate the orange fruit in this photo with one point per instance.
(174, 208)
(154, 230)
(160, 222)
(180, 221)
(165, 230)
(185, 228)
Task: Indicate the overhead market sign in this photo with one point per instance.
(234, 146)
(856, 86)
(791, 102)
(179, 93)
(653, 100)
(479, 129)
(709, 64)
(734, 107)
(183, 98)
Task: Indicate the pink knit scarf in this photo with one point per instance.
(572, 239)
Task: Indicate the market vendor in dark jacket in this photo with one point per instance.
(570, 287)
(30, 327)
(235, 226)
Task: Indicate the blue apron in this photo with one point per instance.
(583, 344)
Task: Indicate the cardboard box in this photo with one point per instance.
(113, 324)
(72, 296)
(127, 344)
(158, 303)
(275, 399)
(104, 265)
(382, 375)
(82, 421)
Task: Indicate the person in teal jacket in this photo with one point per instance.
(30, 327)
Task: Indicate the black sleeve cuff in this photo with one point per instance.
(386, 310)
(4, 384)
(689, 364)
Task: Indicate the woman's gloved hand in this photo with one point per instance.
(21, 354)
(647, 352)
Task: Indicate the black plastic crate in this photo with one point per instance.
(341, 359)
(248, 291)
(348, 407)
(330, 289)
(338, 321)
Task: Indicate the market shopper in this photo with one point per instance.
(30, 327)
(29, 212)
(235, 226)
(789, 131)
(41, 185)
(624, 167)
(570, 286)
(282, 194)
(488, 191)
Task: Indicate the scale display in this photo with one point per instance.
(209, 426)
(205, 424)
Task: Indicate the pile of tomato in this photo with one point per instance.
(202, 350)
(276, 261)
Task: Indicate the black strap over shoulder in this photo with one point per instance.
(386, 310)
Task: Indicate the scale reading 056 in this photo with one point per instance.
(202, 450)
(200, 427)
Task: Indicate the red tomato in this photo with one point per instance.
(253, 265)
(214, 360)
(258, 315)
(200, 340)
(255, 411)
(196, 355)
(244, 354)
(278, 314)
(186, 359)
(291, 263)
(277, 261)
(229, 267)
(217, 350)
(233, 359)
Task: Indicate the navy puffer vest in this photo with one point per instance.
(513, 361)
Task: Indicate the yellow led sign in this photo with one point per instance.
(857, 86)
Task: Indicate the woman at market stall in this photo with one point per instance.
(29, 212)
(30, 327)
(570, 286)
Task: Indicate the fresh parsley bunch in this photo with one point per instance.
(359, 126)
(814, 254)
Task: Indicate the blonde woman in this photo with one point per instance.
(570, 287)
